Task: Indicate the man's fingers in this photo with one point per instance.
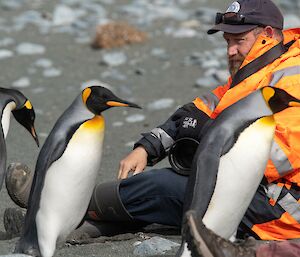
(139, 168)
(124, 171)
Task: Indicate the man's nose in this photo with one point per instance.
(232, 50)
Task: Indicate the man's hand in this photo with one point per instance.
(134, 162)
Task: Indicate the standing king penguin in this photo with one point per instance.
(13, 101)
(229, 164)
(66, 171)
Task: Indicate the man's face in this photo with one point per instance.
(238, 46)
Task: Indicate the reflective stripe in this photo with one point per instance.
(290, 205)
(273, 191)
(210, 100)
(290, 71)
(280, 160)
(162, 135)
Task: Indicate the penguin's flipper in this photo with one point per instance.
(2, 157)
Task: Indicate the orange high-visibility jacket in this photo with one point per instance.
(283, 168)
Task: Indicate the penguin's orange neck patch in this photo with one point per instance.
(267, 121)
(28, 104)
(85, 94)
(96, 123)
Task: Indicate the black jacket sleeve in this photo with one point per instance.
(187, 121)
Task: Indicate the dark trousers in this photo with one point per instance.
(155, 196)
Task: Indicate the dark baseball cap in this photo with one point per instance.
(245, 15)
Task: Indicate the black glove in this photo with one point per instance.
(191, 123)
(188, 136)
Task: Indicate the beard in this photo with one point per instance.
(234, 64)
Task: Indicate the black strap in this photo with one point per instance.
(260, 62)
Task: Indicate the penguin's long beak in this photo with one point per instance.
(34, 135)
(121, 103)
(294, 104)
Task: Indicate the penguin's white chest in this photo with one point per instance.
(240, 172)
(5, 121)
(69, 183)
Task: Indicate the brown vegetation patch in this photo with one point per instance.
(117, 34)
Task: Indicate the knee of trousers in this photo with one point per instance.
(106, 203)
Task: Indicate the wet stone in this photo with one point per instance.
(160, 104)
(21, 83)
(206, 82)
(52, 72)
(113, 74)
(154, 246)
(4, 54)
(30, 49)
(43, 63)
(135, 118)
(114, 58)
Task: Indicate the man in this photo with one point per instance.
(251, 28)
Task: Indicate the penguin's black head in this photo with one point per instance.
(25, 115)
(278, 99)
(98, 99)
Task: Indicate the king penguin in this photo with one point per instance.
(230, 162)
(66, 171)
(13, 101)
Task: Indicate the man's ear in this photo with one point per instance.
(269, 31)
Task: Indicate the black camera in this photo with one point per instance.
(181, 155)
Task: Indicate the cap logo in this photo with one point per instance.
(234, 7)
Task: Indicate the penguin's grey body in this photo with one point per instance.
(65, 175)
(13, 101)
(231, 160)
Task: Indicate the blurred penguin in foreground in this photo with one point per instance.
(259, 54)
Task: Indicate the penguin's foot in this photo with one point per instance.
(13, 220)
(18, 183)
(204, 242)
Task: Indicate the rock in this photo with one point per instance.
(43, 63)
(52, 72)
(30, 48)
(206, 82)
(160, 53)
(154, 246)
(117, 34)
(4, 53)
(21, 83)
(113, 74)
(135, 118)
(184, 33)
(117, 124)
(63, 15)
(160, 104)
(114, 59)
